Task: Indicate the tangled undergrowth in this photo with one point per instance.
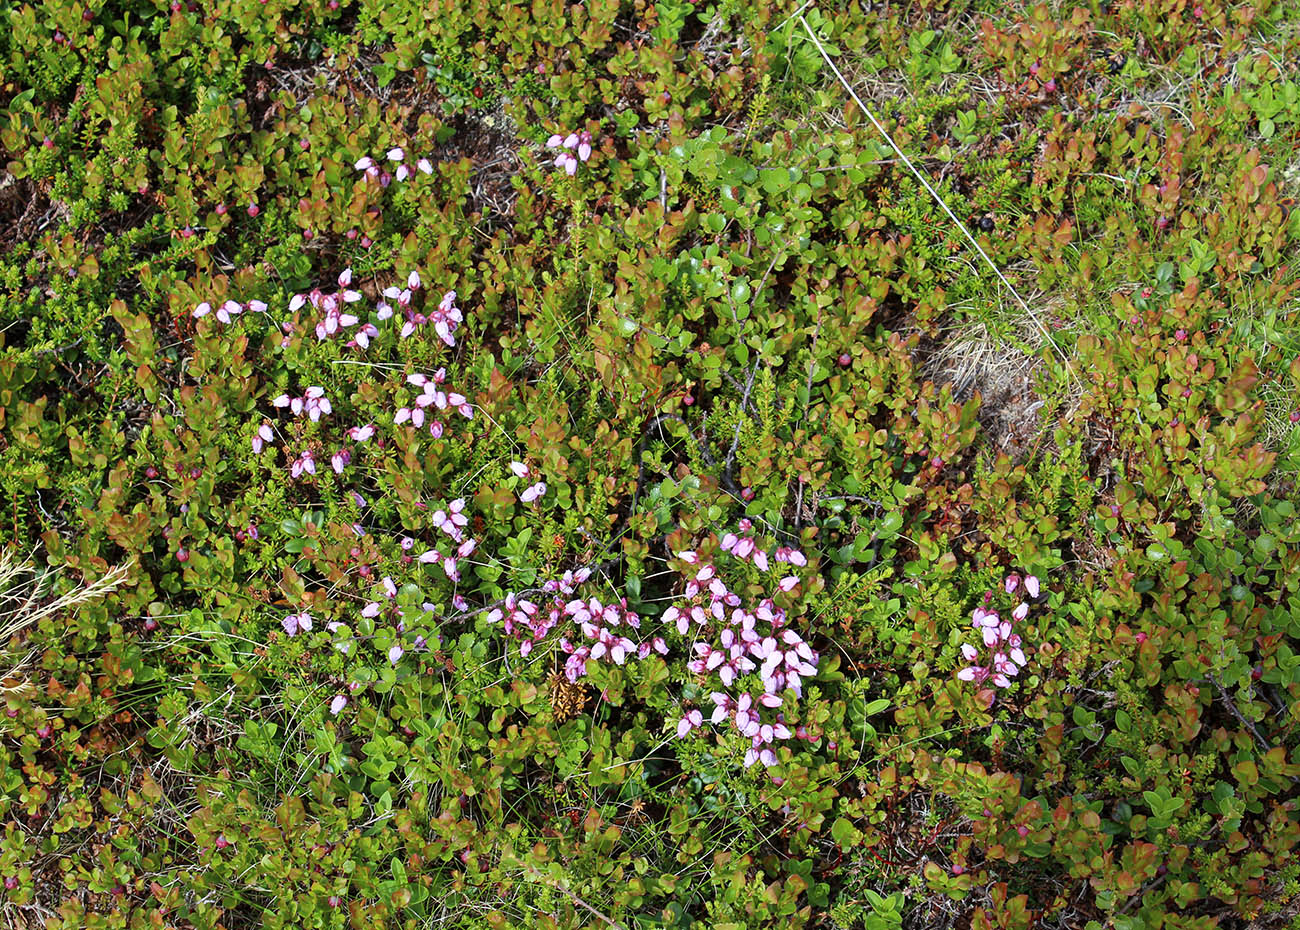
(701, 463)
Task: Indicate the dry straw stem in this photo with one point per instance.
(925, 182)
(21, 600)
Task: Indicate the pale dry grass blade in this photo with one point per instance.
(22, 590)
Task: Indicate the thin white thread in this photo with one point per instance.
(920, 176)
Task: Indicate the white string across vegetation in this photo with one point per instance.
(925, 182)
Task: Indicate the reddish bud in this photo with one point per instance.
(1050, 86)
(688, 400)
(1022, 830)
(221, 209)
(150, 624)
(747, 494)
(845, 360)
(182, 555)
(253, 209)
(1141, 638)
(151, 472)
(44, 731)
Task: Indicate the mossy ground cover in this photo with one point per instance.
(485, 463)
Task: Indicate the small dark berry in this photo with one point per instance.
(986, 223)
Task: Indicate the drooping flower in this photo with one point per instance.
(690, 721)
(295, 623)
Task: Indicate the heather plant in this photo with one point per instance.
(641, 465)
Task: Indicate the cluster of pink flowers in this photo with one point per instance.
(374, 171)
(432, 395)
(305, 463)
(534, 491)
(339, 320)
(600, 625)
(446, 317)
(313, 402)
(733, 641)
(574, 147)
(451, 522)
(1005, 656)
(595, 630)
(333, 304)
(228, 310)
